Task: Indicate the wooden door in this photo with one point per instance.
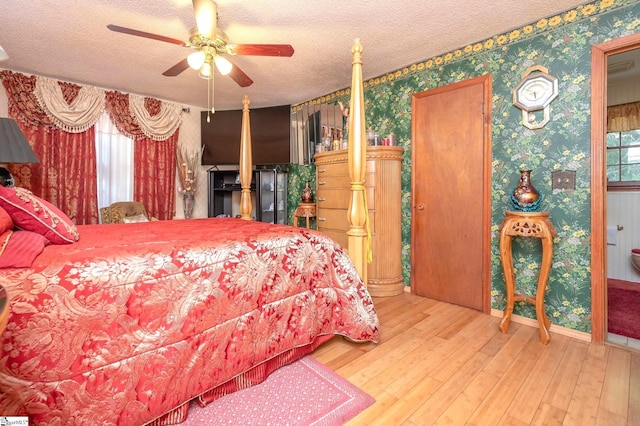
(451, 215)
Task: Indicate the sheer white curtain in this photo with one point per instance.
(114, 159)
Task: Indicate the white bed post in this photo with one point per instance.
(357, 156)
(246, 167)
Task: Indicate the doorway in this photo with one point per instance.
(599, 57)
(451, 172)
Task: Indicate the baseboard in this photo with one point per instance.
(564, 331)
(580, 335)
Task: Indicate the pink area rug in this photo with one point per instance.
(623, 300)
(303, 393)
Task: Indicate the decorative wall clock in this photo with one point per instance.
(533, 94)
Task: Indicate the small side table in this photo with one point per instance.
(527, 224)
(306, 210)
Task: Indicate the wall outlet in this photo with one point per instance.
(563, 179)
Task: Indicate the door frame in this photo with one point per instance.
(486, 82)
(599, 54)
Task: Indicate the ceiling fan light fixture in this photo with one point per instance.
(206, 71)
(207, 42)
(196, 59)
(223, 65)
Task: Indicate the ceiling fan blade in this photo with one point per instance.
(206, 12)
(130, 31)
(239, 76)
(261, 49)
(177, 68)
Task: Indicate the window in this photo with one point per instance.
(623, 160)
(114, 163)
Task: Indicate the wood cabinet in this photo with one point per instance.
(383, 192)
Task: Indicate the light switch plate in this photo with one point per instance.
(563, 179)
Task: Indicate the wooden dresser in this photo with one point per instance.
(384, 192)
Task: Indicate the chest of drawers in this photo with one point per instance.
(383, 193)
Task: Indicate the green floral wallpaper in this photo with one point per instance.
(561, 43)
(298, 177)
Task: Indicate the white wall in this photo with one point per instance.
(623, 208)
(4, 103)
(189, 137)
(623, 93)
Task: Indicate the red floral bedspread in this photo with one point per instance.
(135, 319)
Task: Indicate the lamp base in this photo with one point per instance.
(6, 178)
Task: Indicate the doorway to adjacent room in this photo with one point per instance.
(600, 54)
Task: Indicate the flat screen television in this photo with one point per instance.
(270, 136)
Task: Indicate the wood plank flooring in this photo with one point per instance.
(443, 364)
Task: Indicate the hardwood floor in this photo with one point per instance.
(438, 363)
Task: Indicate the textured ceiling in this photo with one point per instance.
(69, 40)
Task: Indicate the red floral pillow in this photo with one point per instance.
(5, 221)
(32, 213)
(18, 249)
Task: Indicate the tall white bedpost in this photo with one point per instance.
(246, 167)
(357, 156)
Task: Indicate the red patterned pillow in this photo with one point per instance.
(32, 213)
(5, 221)
(18, 249)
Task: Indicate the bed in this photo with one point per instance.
(131, 322)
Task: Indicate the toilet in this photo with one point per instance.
(635, 258)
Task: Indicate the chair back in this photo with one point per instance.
(116, 212)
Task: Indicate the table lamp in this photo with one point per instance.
(14, 148)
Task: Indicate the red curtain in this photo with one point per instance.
(154, 161)
(66, 174)
(155, 175)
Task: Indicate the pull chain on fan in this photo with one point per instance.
(210, 107)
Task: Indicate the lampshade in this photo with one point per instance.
(206, 71)
(196, 59)
(223, 65)
(14, 148)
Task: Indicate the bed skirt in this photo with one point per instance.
(251, 377)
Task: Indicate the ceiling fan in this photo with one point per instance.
(211, 46)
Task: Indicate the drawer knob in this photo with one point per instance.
(322, 170)
(322, 182)
(322, 199)
(322, 219)
(420, 206)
